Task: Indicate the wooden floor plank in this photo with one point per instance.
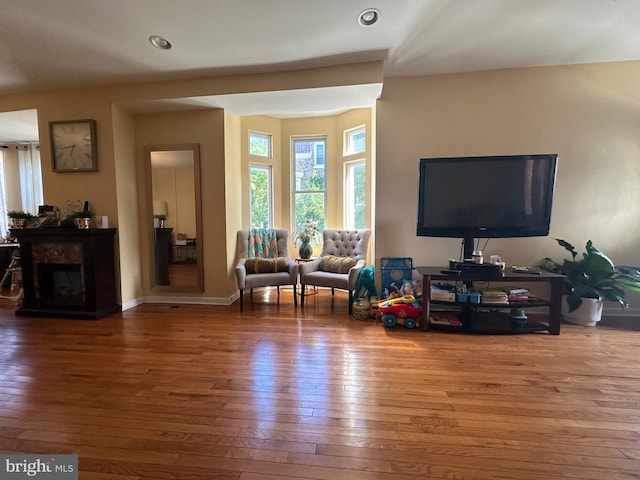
(285, 393)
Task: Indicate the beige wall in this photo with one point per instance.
(588, 114)
(233, 181)
(99, 188)
(113, 189)
(206, 128)
(126, 192)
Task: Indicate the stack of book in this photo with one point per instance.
(517, 294)
(494, 296)
(444, 318)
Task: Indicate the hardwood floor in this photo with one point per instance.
(283, 393)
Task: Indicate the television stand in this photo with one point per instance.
(476, 321)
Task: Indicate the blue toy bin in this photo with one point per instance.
(395, 271)
(468, 297)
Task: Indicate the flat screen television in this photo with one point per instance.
(486, 197)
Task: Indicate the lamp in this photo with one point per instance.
(159, 207)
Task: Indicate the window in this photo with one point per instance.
(309, 181)
(354, 141)
(20, 181)
(30, 177)
(319, 155)
(260, 144)
(355, 194)
(260, 196)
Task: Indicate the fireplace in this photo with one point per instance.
(68, 272)
(60, 285)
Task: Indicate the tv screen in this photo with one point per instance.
(486, 197)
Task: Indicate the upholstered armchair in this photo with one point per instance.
(275, 269)
(343, 256)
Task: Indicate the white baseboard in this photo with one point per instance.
(620, 312)
(132, 303)
(189, 300)
(183, 300)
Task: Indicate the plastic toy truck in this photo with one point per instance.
(401, 310)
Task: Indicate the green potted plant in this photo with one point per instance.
(592, 280)
(307, 236)
(82, 219)
(18, 218)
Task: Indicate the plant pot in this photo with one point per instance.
(306, 250)
(83, 223)
(18, 222)
(587, 315)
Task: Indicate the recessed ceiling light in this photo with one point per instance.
(160, 42)
(368, 17)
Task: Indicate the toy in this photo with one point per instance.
(518, 317)
(400, 310)
(365, 286)
(360, 310)
(394, 272)
(374, 308)
(412, 287)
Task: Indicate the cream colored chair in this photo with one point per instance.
(343, 256)
(286, 274)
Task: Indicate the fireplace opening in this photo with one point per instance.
(60, 285)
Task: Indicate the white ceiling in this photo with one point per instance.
(59, 43)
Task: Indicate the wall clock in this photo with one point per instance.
(73, 145)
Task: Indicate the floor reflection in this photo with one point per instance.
(183, 274)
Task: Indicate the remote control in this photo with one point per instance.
(533, 270)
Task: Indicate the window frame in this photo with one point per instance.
(264, 136)
(269, 169)
(294, 177)
(349, 193)
(348, 142)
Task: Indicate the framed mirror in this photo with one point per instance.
(174, 217)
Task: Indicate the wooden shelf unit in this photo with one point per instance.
(475, 320)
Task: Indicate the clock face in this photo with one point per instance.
(73, 145)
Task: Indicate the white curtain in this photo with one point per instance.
(30, 177)
(3, 199)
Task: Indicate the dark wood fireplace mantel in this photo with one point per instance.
(68, 272)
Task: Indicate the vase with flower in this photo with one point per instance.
(306, 236)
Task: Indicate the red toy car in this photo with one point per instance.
(404, 311)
